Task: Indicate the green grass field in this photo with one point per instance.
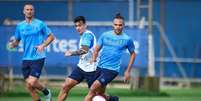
(77, 94)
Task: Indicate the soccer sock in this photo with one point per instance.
(39, 99)
(113, 98)
(45, 91)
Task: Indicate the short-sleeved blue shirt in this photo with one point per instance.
(112, 48)
(87, 39)
(31, 35)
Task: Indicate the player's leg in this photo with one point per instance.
(75, 78)
(33, 92)
(65, 88)
(98, 87)
(26, 72)
(102, 91)
(108, 97)
(33, 82)
(92, 76)
(94, 89)
(33, 79)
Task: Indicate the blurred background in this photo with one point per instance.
(166, 34)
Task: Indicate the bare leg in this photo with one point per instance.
(103, 93)
(33, 92)
(96, 88)
(33, 81)
(66, 87)
(35, 84)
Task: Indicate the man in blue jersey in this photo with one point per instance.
(84, 70)
(112, 45)
(35, 36)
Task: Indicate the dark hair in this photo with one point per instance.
(118, 16)
(80, 18)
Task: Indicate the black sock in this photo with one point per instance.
(45, 91)
(39, 99)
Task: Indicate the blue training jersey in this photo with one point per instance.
(112, 48)
(31, 35)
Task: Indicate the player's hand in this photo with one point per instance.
(68, 53)
(40, 48)
(11, 43)
(126, 76)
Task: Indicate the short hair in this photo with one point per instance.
(118, 16)
(29, 5)
(80, 18)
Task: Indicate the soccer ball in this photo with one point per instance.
(98, 98)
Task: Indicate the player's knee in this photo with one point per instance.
(28, 86)
(31, 83)
(92, 92)
(66, 87)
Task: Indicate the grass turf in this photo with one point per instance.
(78, 93)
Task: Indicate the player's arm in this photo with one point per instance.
(128, 70)
(49, 39)
(95, 53)
(15, 40)
(131, 48)
(98, 48)
(87, 40)
(81, 51)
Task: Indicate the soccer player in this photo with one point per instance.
(112, 44)
(35, 36)
(85, 69)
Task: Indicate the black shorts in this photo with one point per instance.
(105, 76)
(80, 75)
(32, 67)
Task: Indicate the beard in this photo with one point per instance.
(118, 31)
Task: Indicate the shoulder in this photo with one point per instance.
(107, 33)
(39, 23)
(21, 23)
(126, 36)
(38, 20)
(88, 33)
(128, 39)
